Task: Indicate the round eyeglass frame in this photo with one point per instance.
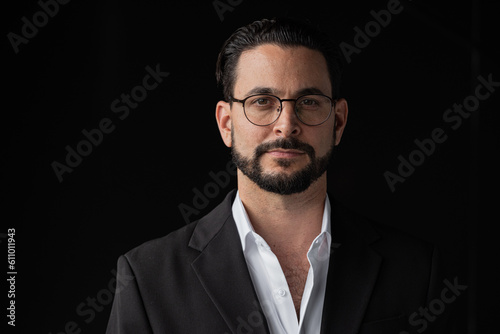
(332, 101)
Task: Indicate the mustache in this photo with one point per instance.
(287, 144)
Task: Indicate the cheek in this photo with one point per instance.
(247, 136)
(322, 141)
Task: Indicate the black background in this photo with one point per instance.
(128, 190)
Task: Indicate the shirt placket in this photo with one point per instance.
(279, 292)
(316, 256)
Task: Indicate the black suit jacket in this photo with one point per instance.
(195, 280)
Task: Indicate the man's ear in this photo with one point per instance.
(223, 116)
(341, 112)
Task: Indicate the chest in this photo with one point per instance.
(295, 270)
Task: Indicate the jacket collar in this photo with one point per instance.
(211, 224)
(352, 272)
(222, 270)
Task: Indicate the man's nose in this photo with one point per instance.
(287, 124)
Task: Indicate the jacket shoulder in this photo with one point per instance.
(174, 244)
(183, 245)
(186, 241)
(382, 235)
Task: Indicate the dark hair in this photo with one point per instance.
(282, 32)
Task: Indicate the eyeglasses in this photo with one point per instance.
(265, 109)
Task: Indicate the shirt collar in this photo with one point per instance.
(245, 227)
(242, 221)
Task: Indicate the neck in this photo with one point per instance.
(282, 220)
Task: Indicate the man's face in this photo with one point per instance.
(286, 156)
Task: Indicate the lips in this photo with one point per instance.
(284, 153)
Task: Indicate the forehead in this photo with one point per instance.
(283, 71)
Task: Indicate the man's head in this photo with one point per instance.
(282, 116)
(283, 32)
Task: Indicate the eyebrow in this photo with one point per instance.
(273, 91)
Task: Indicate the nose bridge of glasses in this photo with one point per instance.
(282, 105)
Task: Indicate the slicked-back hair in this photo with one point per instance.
(284, 32)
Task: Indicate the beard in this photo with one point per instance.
(282, 183)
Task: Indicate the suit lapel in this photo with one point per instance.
(352, 273)
(222, 270)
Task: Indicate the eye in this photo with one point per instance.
(309, 102)
(262, 101)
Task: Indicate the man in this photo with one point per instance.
(278, 255)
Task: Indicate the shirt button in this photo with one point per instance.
(281, 292)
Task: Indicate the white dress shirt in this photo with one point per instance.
(270, 283)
